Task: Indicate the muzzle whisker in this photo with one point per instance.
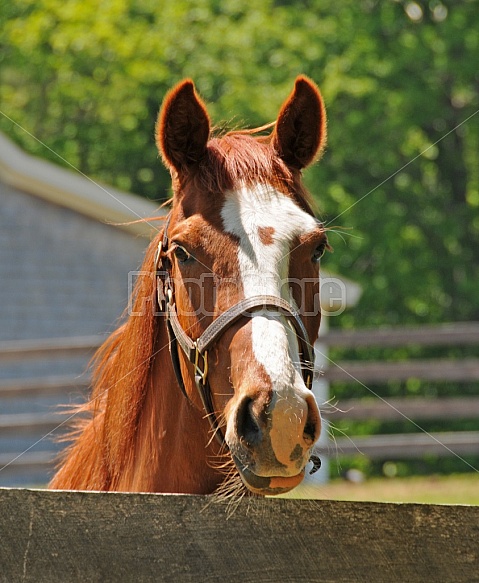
(221, 424)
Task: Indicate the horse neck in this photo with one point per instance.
(140, 433)
(155, 440)
(172, 450)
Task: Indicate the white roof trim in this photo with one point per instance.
(75, 191)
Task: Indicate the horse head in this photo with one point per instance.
(238, 265)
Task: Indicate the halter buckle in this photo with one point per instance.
(201, 374)
(309, 382)
(158, 255)
(163, 290)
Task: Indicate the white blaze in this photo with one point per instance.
(264, 269)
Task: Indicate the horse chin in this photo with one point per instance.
(267, 485)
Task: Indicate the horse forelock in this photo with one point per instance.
(240, 158)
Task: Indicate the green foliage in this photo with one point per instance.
(399, 145)
(399, 78)
(81, 82)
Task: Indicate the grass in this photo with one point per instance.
(454, 489)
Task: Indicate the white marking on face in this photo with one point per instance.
(249, 213)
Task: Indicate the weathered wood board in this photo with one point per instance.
(79, 536)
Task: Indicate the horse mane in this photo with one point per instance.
(121, 378)
(123, 365)
(246, 157)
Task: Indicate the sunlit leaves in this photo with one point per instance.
(87, 77)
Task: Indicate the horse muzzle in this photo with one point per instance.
(267, 486)
(270, 439)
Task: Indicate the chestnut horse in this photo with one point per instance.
(230, 285)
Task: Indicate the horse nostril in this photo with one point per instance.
(309, 433)
(312, 427)
(247, 426)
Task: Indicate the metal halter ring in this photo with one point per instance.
(201, 374)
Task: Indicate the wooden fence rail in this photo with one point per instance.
(44, 423)
(406, 445)
(22, 465)
(15, 350)
(451, 334)
(438, 370)
(42, 387)
(398, 409)
(412, 409)
(78, 536)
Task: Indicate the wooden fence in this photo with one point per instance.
(78, 536)
(412, 409)
(418, 409)
(41, 424)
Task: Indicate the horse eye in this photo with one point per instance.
(319, 252)
(181, 254)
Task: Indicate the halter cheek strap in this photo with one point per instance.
(196, 351)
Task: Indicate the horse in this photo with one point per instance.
(208, 379)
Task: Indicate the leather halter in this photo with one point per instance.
(196, 351)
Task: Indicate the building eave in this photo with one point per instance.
(76, 191)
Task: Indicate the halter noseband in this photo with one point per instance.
(196, 351)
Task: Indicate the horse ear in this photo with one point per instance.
(183, 127)
(300, 133)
